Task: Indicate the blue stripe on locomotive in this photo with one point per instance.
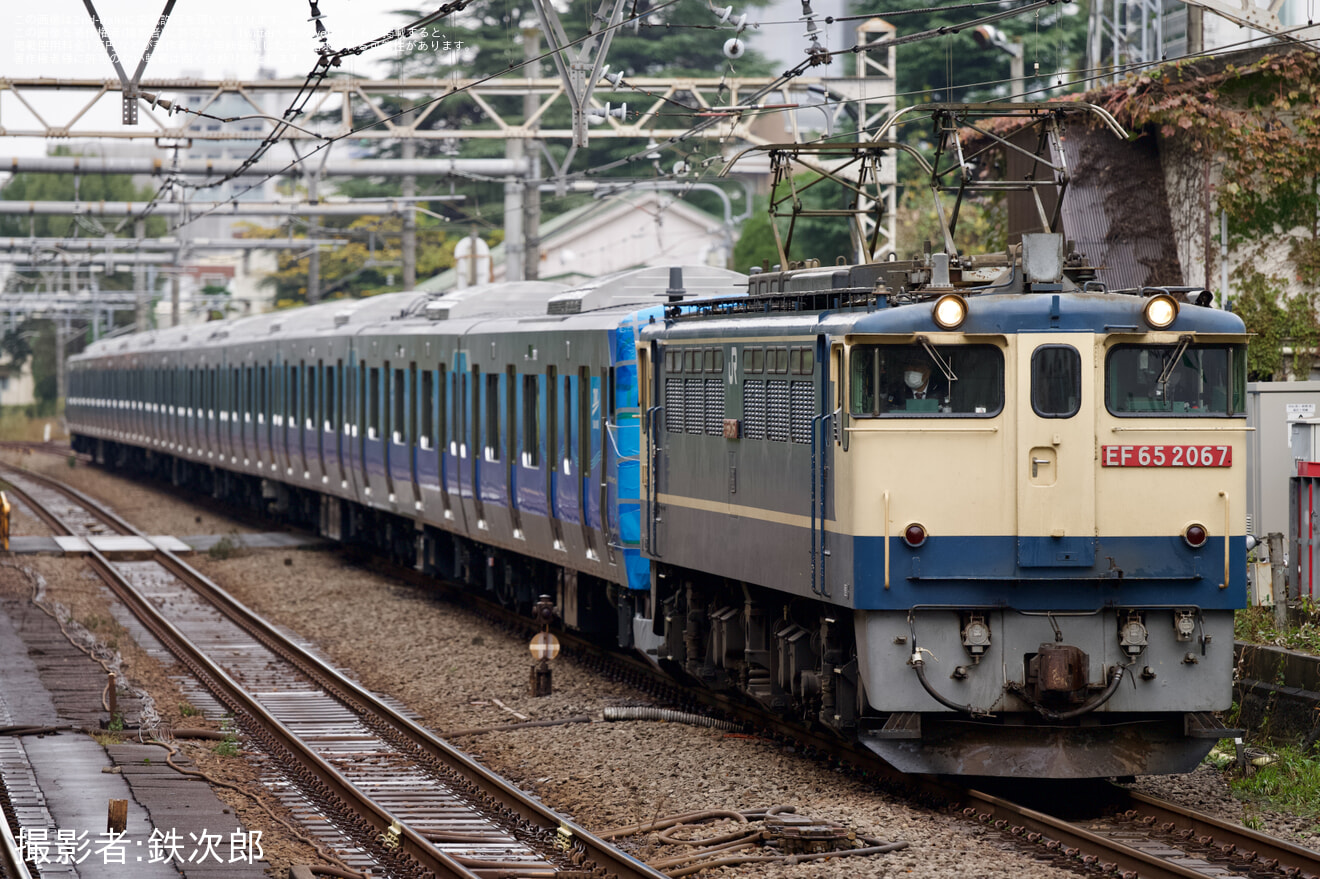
(981, 571)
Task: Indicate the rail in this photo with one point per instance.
(506, 798)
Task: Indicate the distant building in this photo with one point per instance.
(623, 232)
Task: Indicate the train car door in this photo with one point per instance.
(588, 411)
(1056, 451)
(553, 455)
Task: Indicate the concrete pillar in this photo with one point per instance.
(514, 189)
(140, 285)
(408, 150)
(313, 260)
(532, 191)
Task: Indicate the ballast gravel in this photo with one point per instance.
(458, 672)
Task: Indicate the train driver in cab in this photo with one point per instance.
(920, 385)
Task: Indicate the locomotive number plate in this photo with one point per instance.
(1166, 456)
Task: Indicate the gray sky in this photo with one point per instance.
(211, 39)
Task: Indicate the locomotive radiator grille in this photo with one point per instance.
(674, 405)
(777, 411)
(754, 409)
(804, 409)
(714, 407)
(693, 413)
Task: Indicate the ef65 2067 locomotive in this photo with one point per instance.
(981, 514)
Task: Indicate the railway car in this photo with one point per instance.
(979, 513)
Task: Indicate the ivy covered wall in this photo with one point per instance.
(1240, 135)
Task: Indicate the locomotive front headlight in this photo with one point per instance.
(1161, 311)
(950, 311)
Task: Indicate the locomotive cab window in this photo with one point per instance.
(1179, 379)
(1056, 381)
(906, 381)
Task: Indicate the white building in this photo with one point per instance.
(622, 232)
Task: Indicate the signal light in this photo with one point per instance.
(1195, 535)
(914, 535)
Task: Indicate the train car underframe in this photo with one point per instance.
(587, 604)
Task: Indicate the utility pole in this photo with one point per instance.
(532, 192)
(140, 313)
(59, 323)
(314, 258)
(408, 150)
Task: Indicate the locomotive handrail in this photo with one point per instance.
(1228, 526)
(878, 425)
(1190, 428)
(818, 446)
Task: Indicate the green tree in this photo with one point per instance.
(369, 264)
(87, 187)
(821, 238)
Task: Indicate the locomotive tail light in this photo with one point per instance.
(1161, 311)
(1132, 636)
(950, 311)
(1195, 535)
(914, 535)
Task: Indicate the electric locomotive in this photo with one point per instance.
(1026, 567)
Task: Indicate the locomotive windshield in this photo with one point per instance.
(1180, 379)
(918, 380)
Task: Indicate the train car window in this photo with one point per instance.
(442, 431)
(425, 426)
(611, 403)
(400, 425)
(331, 400)
(719, 360)
(1176, 380)
(777, 361)
(1056, 381)
(795, 361)
(413, 409)
(293, 397)
(312, 400)
(248, 395)
(691, 363)
(261, 395)
(802, 361)
(531, 450)
(754, 360)
(568, 423)
(373, 403)
(492, 445)
(584, 419)
(551, 415)
(904, 381)
(709, 357)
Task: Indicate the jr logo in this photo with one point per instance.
(733, 365)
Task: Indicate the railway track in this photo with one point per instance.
(1132, 835)
(404, 802)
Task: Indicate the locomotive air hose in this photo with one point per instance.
(646, 713)
(920, 665)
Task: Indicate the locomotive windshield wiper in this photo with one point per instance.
(1183, 342)
(939, 361)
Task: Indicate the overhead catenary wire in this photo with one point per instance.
(778, 83)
